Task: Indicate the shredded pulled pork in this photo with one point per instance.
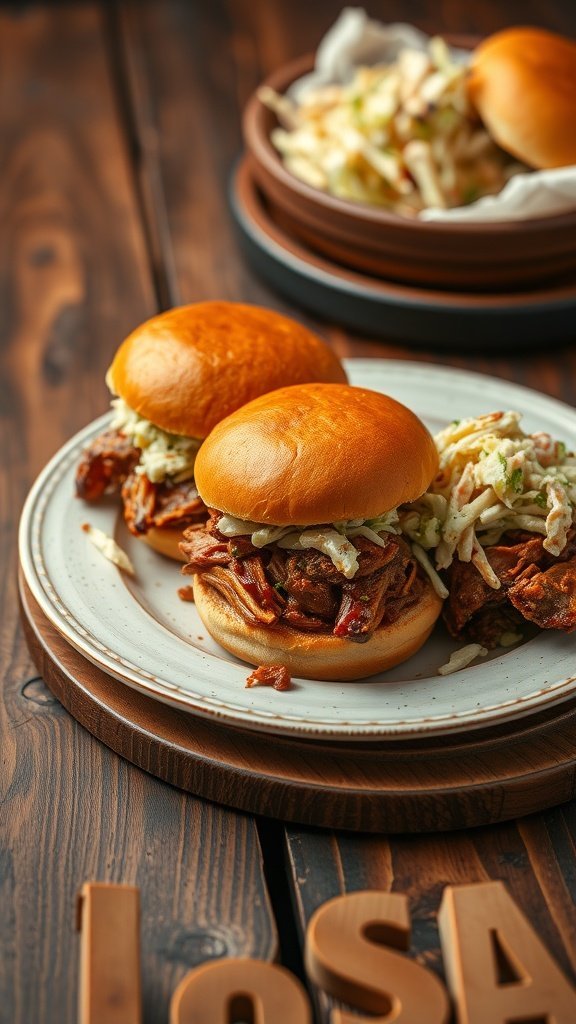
(304, 589)
(535, 586)
(246, 588)
(104, 465)
(108, 466)
(277, 676)
(148, 505)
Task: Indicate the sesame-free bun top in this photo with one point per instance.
(187, 369)
(315, 453)
(523, 84)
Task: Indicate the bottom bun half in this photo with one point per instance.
(166, 541)
(317, 656)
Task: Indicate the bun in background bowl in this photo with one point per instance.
(523, 83)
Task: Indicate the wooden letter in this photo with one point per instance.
(109, 922)
(230, 990)
(346, 955)
(498, 969)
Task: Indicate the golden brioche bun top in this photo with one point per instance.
(187, 369)
(315, 453)
(523, 84)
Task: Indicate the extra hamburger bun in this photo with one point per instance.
(523, 84)
(315, 453)
(187, 369)
(314, 656)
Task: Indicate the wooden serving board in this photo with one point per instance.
(423, 785)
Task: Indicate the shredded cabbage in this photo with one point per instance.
(492, 478)
(162, 454)
(421, 557)
(340, 551)
(403, 135)
(332, 539)
(109, 548)
(462, 658)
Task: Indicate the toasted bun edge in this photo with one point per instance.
(313, 656)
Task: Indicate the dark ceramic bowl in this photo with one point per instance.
(491, 256)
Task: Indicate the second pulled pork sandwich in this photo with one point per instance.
(175, 377)
(301, 562)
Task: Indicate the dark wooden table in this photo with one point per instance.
(118, 128)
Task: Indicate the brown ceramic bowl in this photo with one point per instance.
(491, 256)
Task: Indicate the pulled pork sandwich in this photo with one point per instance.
(176, 376)
(498, 524)
(301, 562)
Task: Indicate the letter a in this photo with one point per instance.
(498, 969)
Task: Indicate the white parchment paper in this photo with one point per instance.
(355, 40)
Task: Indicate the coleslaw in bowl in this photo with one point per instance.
(401, 135)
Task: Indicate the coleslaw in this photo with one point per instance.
(162, 455)
(404, 136)
(492, 478)
(333, 540)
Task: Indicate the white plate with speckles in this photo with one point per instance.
(139, 631)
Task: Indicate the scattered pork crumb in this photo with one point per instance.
(462, 658)
(109, 548)
(186, 593)
(277, 676)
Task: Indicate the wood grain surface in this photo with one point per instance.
(118, 127)
(75, 276)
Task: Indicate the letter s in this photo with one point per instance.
(347, 956)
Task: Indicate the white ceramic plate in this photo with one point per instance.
(143, 634)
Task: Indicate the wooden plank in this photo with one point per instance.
(188, 69)
(74, 278)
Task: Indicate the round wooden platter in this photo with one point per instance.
(418, 786)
